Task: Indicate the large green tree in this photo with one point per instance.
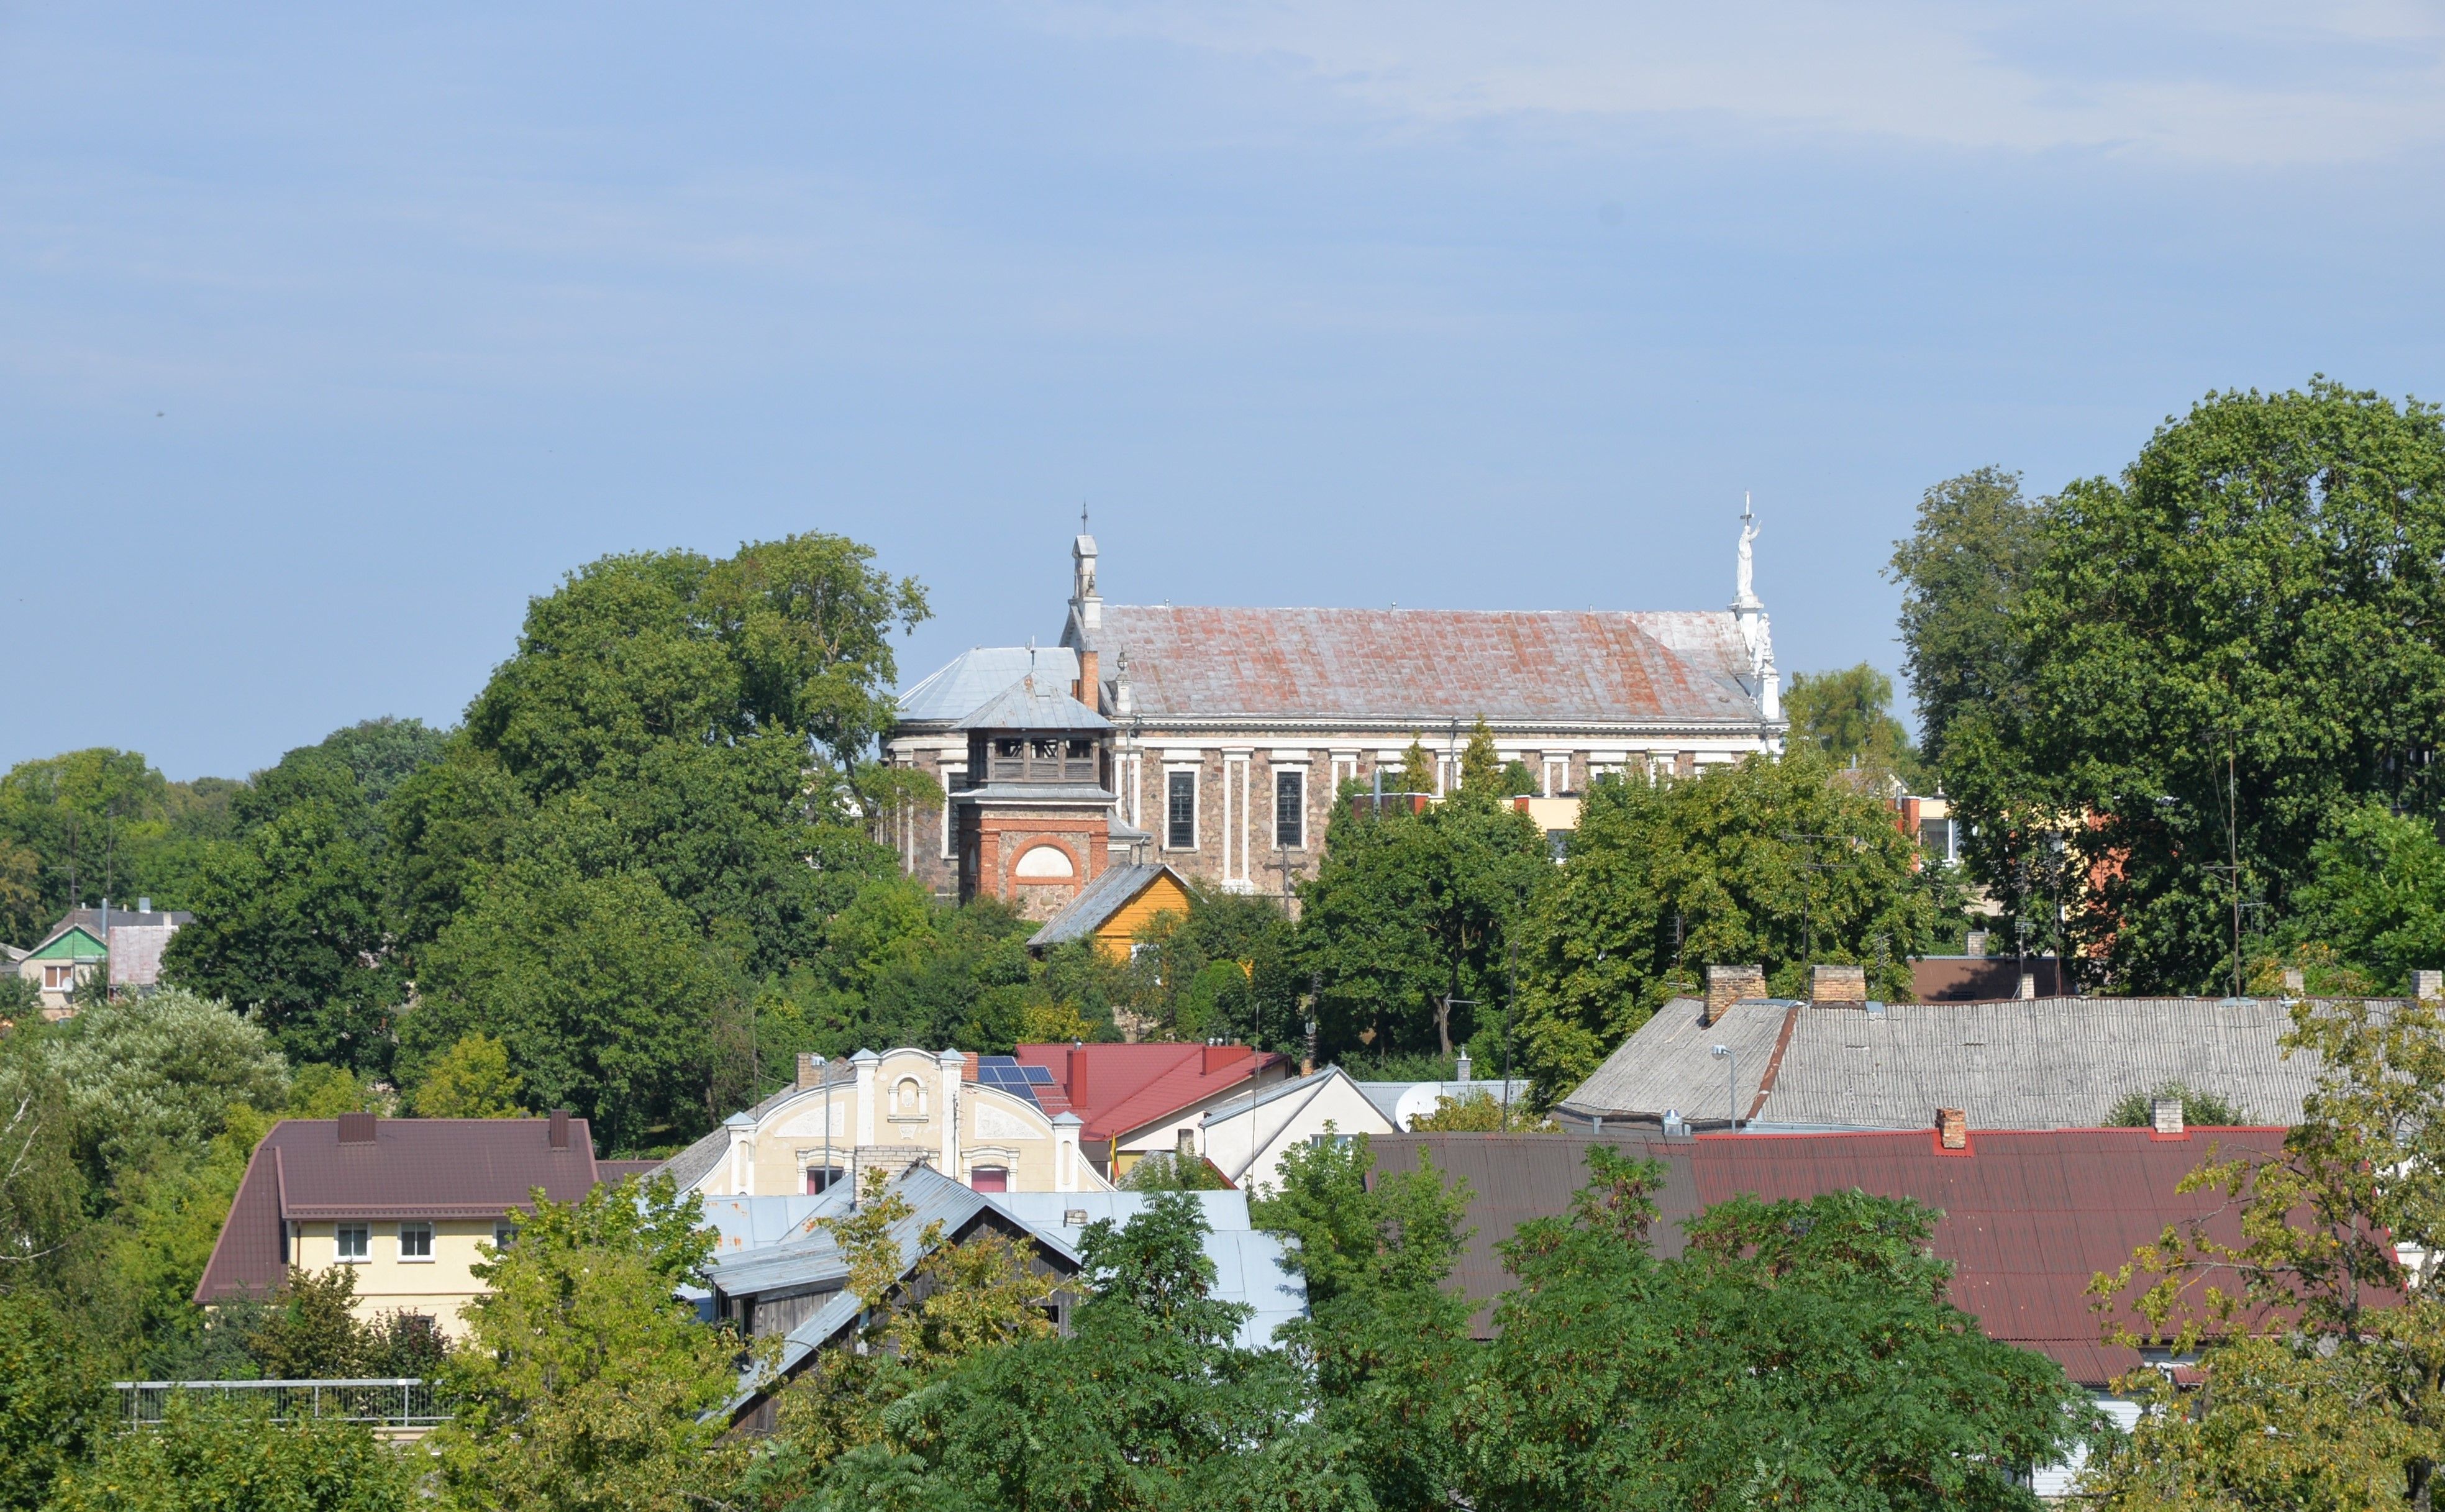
(1797, 1354)
(1407, 923)
(215, 1456)
(87, 825)
(1781, 863)
(2214, 656)
(1848, 716)
(1962, 570)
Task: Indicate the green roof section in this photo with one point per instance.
(73, 944)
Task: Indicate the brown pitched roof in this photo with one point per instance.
(1425, 665)
(2029, 1217)
(414, 1168)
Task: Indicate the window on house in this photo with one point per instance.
(1180, 811)
(989, 1179)
(821, 1179)
(504, 1235)
(1290, 810)
(58, 979)
(416, 1242)
(355, 1241)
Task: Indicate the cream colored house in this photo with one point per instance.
(409, 1203)
(1246, 1137)
(985, 1121)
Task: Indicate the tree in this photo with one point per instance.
(54, 1404)
(311, 1331)
(1390, 1344)
(2217, 654)
(1480, 1113)
(1408, 918)
(586, 1382)
(1418, 769)
(2374, 894)
(1777, 862)
(2200, 1110)
(1962, 572)
(227, 1456)
(470, 1079)
(1165, 1172)
(141, 1075)
(290, 921)
(1479, 766)
(1847, 716)
(595, 985)
(1797, 1353)
(1149, 1403)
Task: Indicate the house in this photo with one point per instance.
(1115, 906)
(795, 1287)
(407, 1201)
(1245, 1136)
(2029, 1216)
(1138, 1100)
(130, 941)
(1223, 735)
(1849, 1063)
(986, 1121)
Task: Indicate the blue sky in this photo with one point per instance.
(329, 335)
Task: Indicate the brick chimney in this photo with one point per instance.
(356, 1128)
(2296, 982)
(1184, 1145)
(1077, 1079)
(1091, 686)
(2428, 986)
(1843, 984)
(811, 1070)
(560, 1128)
(2165, 1115)
(1727, 985)
(1952, 1128)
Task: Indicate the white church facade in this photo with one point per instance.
(1219, 736)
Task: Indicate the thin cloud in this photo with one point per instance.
(2230, 83)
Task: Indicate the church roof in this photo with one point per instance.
(972, 677)
(1033, 703)
(1422, 667)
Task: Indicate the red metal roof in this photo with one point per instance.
(2029, 1217)
(413, 1168)
(1115, 1089)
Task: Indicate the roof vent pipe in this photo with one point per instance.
(560, 1128)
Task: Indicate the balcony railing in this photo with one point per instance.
(406, 1402)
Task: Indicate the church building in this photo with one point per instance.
(1212, 740)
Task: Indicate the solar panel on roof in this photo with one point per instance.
(1038, 1076)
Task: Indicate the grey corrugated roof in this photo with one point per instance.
(1033, 703)
(1429, 665)
(1026, 792)
(973, 676)
(2038, 1063)
(1098, 901)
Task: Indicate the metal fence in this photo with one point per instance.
(406, 1402)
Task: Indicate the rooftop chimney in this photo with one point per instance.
(1184, 1145)
(144, 905)
(1976, 944)
(2428, 985)
(356, 1128)
(2028, 987)
(811, 1070)
(1090, 684)
(1460, 1069)
(1077, 1088)
(1843, 984)
(560, 1128)
(2166, 1113)
(2296, 982)
(1952, 1128)
(1727, 985)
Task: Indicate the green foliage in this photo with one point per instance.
(470, 1079)
(1164, 1172)
(2200, 1110)
(2324, 1356)
(2376, 894)
(1847, 715)
(1408, 911)
(1517, 779)
(584, 1382)
(54, 1405)
(1977, 545)
(1480, 767)
(229, 1456)
(1147, 1404)
(1480, 1113)
(41, 1188)
(2236, 636)
(142, 1075)
(1777, 862)
(310, 1332)
(1229, 969)
(1799, 1354)
(1418, 769)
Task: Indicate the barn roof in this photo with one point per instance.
(2029, 1217)
(1542, 668)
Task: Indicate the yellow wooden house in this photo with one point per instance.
(1111, 910)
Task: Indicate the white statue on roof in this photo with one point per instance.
(1745, 581)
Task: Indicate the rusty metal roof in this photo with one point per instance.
(414, 1168)
(1426, 666)
(2029, 1216)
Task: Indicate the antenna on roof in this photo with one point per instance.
(1082, 517)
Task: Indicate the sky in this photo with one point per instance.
(331, 335)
